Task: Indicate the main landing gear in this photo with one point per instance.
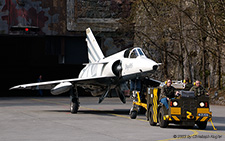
(74, 104)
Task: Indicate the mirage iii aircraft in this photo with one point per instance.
(101, 74)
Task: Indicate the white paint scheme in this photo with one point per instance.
(129, 65)
(94, 51)
(99, 74)
(61, 88)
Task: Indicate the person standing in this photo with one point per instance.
(40, 92)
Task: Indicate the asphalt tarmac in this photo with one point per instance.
(49, 118)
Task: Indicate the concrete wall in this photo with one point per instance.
(54, 44)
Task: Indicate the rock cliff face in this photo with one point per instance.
(185, 36)
(106, 18)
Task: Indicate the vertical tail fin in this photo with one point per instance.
(94, 51)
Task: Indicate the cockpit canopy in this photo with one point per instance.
(133, 53)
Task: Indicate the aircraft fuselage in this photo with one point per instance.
(127, 64)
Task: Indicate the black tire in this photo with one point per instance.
(202, 125)
(151, 122)
(133, 114)
(74, 106)
(162, 123)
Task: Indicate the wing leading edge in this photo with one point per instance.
(101, 81)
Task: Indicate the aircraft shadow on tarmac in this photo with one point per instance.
(105, 112)
(96, 112)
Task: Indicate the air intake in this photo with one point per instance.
(155, 67)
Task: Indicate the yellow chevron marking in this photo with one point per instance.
(204, 118)
(197, 117)
(155, 91)
(176, 118)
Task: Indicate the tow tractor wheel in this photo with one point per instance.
(151, 122)
(74, 106)
(202, 125)
(162, 123)
(133, 114)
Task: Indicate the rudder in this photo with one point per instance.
(94, 51)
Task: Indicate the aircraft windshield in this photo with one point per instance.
(134, 54)
(140, 52)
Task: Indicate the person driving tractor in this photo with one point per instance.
(199, 89)
(167, 92)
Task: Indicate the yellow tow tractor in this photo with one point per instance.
(186, 110)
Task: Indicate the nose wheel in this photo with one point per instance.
(136, 102)
(133, 114)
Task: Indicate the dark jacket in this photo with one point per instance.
(167, 92)
(198, 90)
(188, 86)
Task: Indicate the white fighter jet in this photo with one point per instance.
(101, 74)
